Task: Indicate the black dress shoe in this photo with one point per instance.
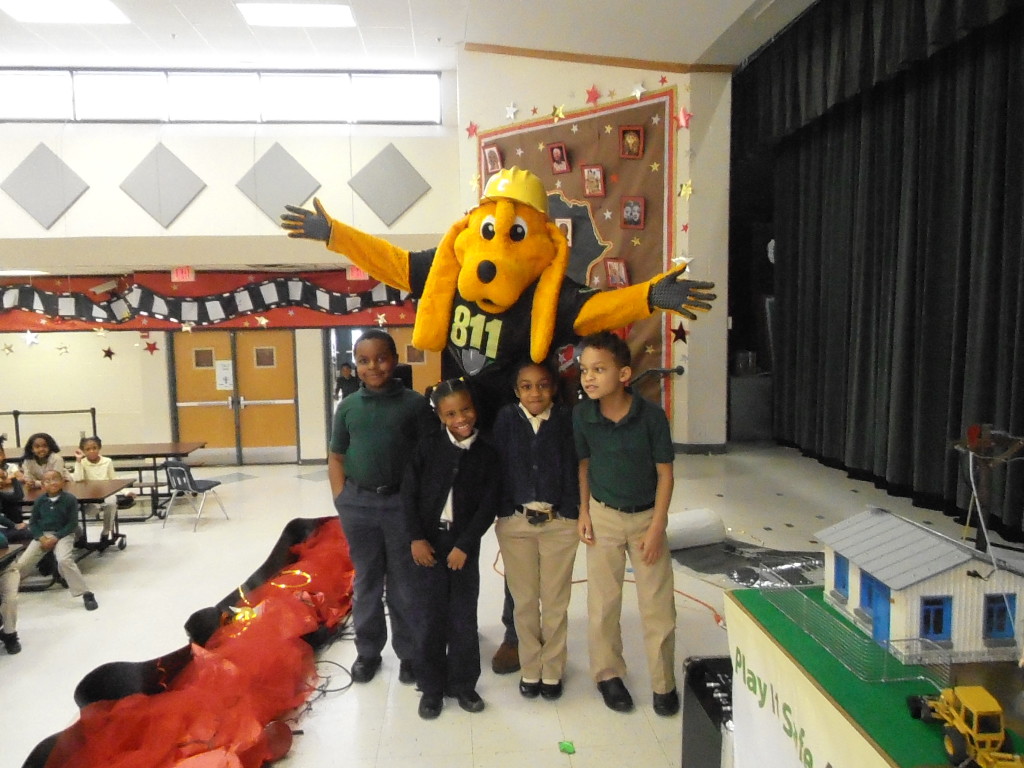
(615, 695)
(470, 701)
(430, 706)
(529, 690)
(364, 668)
(406, 675)
(666, 704)
(551, 691)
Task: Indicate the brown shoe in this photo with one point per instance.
(506, 660)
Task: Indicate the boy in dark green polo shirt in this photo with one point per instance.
(375, 430)
(625, 451)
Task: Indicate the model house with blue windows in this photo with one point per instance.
(922, 595)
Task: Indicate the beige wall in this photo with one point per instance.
(488, 83)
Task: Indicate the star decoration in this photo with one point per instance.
(595, 281)
(108, 353)
(558, 113)
(575, 128)
(31, 338)
(638, 90)
(614, 178)
(519, 151)
(686, 227)
(686, 189)
(656, 120)
(471, 129)
(401, 315)
(558, 184)
(100, 331)
(8, 349)
(510, 111)
(593, 94)
(533, 111)
(262, 322)
(682, 120)
(474, 182)
(635, 241)
(44, 321)
(662, 80)
(608, 129)
(187, 327)
(151, 347)
(679, 333)
(63, 349)
(174, 286)
(611, 94)
(145, 321)
(540, 146)
(607, 215)
(649, 349)
(291, 313)
(655, 166)
(382, 320)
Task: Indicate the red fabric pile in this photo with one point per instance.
(219, 712)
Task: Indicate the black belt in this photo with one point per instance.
(629, 510)
(380, 490)
(537, 516)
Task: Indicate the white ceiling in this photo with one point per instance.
(404, 34)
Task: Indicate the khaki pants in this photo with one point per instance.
(538, 568)
(66, 565)
(615, 534)
(9, 580)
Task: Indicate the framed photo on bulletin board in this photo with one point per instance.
(615, 273)
(631, 141)
(559, 158)
(492, 159)
(632, 213)
(593, 180)
(566, 226)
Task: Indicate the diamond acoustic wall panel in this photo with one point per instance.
(44, 186)
(162, 185)
(389, 184)
(277, 179)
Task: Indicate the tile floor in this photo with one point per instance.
(765, 495)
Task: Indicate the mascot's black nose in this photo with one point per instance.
(486, 271)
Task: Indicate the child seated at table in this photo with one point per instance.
(53, 524)
(90, 465)
(12, 524)
(42, 454)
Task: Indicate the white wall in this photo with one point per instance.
(309, 366)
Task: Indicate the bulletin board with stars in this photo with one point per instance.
(609, 172)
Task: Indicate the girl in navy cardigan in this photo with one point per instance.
(450, 492)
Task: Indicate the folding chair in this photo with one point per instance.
(181, 483)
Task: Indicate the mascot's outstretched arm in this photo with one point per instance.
(668, 291)
(379, 258)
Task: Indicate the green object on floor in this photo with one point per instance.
(566, 747)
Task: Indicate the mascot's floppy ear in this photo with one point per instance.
(545, 298)
(434, 311)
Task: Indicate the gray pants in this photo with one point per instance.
(9, 580)
(66, 565)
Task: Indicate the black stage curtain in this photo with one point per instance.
(899, 253)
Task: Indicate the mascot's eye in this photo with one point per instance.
(518, 231)
(487, 228)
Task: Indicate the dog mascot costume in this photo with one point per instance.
(494, 290)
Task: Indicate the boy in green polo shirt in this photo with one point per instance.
(625, 452)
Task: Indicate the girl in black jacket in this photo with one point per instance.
(450, 493)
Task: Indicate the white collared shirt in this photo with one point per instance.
(447, 514)
(536, 421)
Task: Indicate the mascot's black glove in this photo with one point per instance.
(313, 225)
(675, 294)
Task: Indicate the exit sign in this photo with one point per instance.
(183, 275)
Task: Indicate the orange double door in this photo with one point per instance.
(235, 391)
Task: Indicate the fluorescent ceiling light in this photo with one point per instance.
(21, 272)
(296, 15)
(63, 11)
